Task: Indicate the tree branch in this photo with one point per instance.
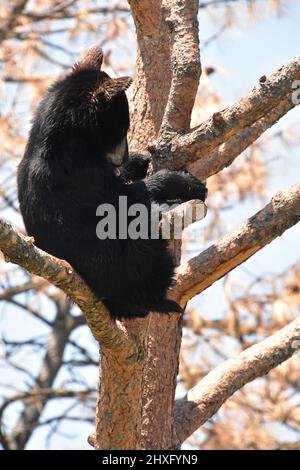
(185, 64)
(35, 399)
(29, 417)
(223, 156)
(167, 70)
(203, 270)
(153, 73)
(20, 250)
(204, 400)
(181, 150)
(12, 20)
(27, 286)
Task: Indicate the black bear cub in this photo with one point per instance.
(71, 166)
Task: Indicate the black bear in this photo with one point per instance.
(71, 166)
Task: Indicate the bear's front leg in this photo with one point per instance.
(135, 168)
(167, 186)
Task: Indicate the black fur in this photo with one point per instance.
(65, 175)
(135, 168)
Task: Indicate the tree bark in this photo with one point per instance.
(153, 73)
(136, 394)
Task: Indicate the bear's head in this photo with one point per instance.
(88, 104)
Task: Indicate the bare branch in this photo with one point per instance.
(224, 125)
(48, 393)
(27, 286)
(34, 399)
(23, 79)
(227, 152)
(167, 70)
(20, 250)
(12, 20)
(153, 72)
(30, 310)
(204, 400)
(203, 270)
(65, 13)
(185, 63)
(28, 420)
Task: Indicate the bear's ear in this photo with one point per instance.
(109, 88)
(114, 86)
(91, 60)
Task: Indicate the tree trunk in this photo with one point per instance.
(136, 393)
(136, 397)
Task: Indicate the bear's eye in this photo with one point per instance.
(119, 154)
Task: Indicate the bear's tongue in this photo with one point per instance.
(117, 171)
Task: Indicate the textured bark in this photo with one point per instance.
(226, 153)
(136, 394)
(153, 73)
(204, 400)
(167, 68)
(118, 421)
(137, 375)
(159, 382)
(182, 21)
(203, 270)
(184, 149)
(119, 403)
